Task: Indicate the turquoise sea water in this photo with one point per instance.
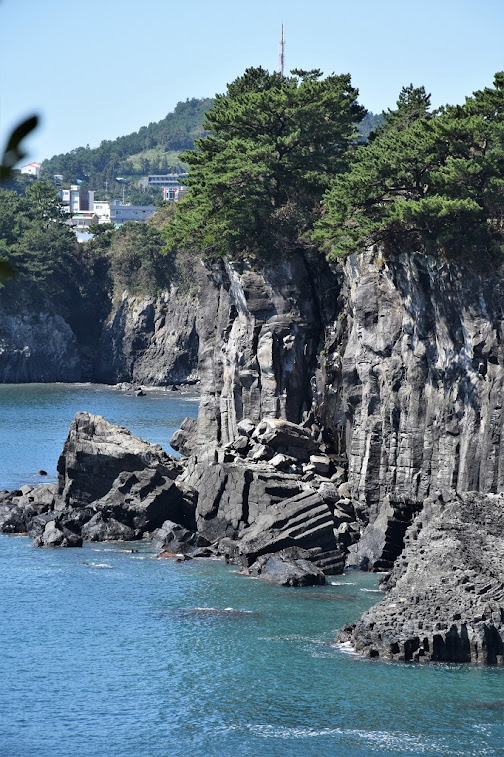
(105, 652)
(34, 422)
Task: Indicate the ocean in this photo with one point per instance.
(107, 652)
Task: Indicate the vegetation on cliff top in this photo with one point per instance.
(257, 180)
(428, 181)
(152, 149)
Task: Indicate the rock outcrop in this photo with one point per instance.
(37, 347)
(445, 595)
(96, 452)
(149, 340)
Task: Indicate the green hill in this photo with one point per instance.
(152, 149)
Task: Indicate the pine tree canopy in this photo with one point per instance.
(257, 181)
(434, 184)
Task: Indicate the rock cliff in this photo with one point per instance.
(37, 347)
(149, 340)
(146, 340)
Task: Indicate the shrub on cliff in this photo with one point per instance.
(257, 180)
(436, 185)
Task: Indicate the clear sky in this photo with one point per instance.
(98, 69)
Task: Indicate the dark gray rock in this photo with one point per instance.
(184, 439)
(445, 594)
(103, 528)
(304, 521)
(12, 519)
(382, 540)
(144, 499)
(149, 340)
(55, 535)
(96, 452)
(288, 567)
(37, 346)
(175, 538)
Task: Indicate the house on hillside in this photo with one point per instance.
(33, 169)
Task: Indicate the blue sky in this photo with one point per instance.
(98, 69)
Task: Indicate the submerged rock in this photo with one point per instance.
(288, 567)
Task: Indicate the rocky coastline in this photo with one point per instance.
(350, 416)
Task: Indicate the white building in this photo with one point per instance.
(102, 210)
(33, 169)
(121, 213)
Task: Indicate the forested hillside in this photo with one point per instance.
(152, 149)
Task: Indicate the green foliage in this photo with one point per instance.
(39, 246)
(257, 180)
(136, 262)
(125, 156)
(427, 183)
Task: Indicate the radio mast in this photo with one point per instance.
(281, 54)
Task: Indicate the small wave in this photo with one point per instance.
(342, 583)
(401, 743)
(347, 648)
(98, 565)
(217, 609)
(372, 591)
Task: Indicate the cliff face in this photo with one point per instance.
(149, 340)
(422, 376)
(401, 363)
(37, 347)
(260, 333)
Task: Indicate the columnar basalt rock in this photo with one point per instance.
(422, 375)
(259, 336)
(445, 595)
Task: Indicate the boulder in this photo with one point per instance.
(285, 437)
(144, 499)
(55, 535)
(289, 567)
(96, 452)
(183, 440)
(176, 538)
(103, 528)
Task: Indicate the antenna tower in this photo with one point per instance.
(281, 53)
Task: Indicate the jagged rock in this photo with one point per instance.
(286, 438)
(260, 452)
(176, 538)
(259, 332)
(382, 540)
(37, 345)
(149, 340)
(183, 440)
(289, 567)
(282, 462)
(103, 528)
(96, 452)
(57, 536)
(144, 499)
(321, 463)
(35, 527)
(304, 520)
(445, 595)
(12, 519)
